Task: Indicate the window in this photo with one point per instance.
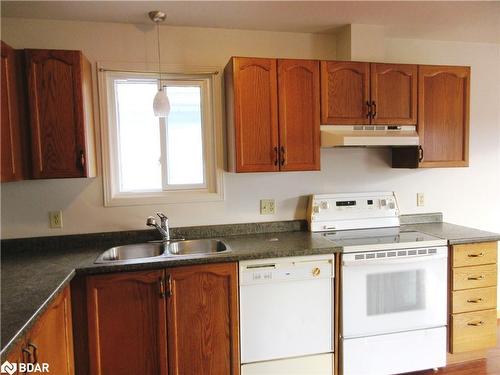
(159, 160)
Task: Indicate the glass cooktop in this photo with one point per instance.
(381, 239)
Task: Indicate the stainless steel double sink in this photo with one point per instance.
(150, 250)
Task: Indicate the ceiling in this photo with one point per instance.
(476, 21)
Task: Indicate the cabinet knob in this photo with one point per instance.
(275, 155)
(476, 324)
(480, 277)
(369, 113)
(316, 271)
(475, 300)
(374, 113)
(475, 255)
(282, 152)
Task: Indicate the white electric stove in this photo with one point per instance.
(394, 285)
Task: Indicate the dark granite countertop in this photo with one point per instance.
(455, 234)
(32, 276)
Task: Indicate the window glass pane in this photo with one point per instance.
(184, 136)
(138, 136)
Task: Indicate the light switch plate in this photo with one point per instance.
(420, 199)
(55, 219)
(267, 206)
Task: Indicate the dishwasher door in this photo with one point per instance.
(286, 307)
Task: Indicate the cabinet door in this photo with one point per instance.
(394, 94)
(13, 158)
(51, 339)
(255, 115)
(57, 117)
(443, 115)
(298, 93)
(345, 92)
(126, 318)
(202, 320)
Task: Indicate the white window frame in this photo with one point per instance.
(211, 106)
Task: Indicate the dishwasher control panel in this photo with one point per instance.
(287, 269)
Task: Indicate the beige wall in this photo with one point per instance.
(467, 196)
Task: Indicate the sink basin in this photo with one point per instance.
(196, 247)
(152, 250)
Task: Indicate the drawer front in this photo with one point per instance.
(474, 254)
(474, 299)
(473, 331)
(474, 277)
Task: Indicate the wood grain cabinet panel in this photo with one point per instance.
(393, 90)
(345, 92)
(13, 153)
(202, 316)
(473, 331)
(252, 114)
(272, 109)
(126, 323)
(443, 115)
(474, 299)
(61, 119)
(474, 254)
(474, 277)
(298, 87)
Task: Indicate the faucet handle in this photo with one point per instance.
(150, 221)
(162, 216)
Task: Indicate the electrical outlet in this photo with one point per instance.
(420, 199)
(55, 219)
(267, 206)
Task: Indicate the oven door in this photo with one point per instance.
(393, 294)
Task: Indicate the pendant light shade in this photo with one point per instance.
(161, 104)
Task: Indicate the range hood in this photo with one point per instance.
(368, 135)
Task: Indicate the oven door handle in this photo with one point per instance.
(395, 260)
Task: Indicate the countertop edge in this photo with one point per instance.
(34, 318)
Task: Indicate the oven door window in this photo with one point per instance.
(394, 292)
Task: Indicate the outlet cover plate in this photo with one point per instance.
(55, 219)
(267, 206)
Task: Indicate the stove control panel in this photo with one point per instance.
(352, 211)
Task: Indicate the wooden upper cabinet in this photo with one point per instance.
(393, 90)
(202, 320)
(443, 115)
(345, 92)
(126, 323)
(51, 338)
(298, 93)
(252, 108)
(13, 153)
(60, 108)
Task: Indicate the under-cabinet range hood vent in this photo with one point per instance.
(368, 135)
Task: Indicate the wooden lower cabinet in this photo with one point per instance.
(181, 320)
(473, 299)
(202, 320)
(126, 323)
(50, 341)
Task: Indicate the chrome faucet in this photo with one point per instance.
(162, 228)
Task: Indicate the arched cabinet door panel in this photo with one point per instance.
(393, 94)
(298, 88)
(60, 107)
(345, 92)
(443, 115)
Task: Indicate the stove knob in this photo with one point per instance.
(316, 209)
(392, 206)
(383, 202)
(325, 205)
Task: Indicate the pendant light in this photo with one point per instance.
(161, 104)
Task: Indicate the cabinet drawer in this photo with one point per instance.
(474, 299)
(474, 254)
(474, 277)
(473, 331)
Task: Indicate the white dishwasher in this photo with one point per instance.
(286, 315)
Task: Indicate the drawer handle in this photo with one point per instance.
(480, 277)
(476, 324)
(477, 300)
(475, 255)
